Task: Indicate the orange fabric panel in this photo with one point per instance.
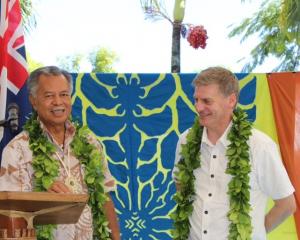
(285, 94)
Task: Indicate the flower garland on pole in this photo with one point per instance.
(46, 170)
(196, 35)
(238, 188)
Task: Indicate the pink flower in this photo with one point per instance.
(197, 36)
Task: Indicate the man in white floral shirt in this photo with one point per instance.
(50, 91)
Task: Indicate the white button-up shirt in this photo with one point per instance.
(268, 178)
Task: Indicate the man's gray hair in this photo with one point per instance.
(224, 78)
(33, 79)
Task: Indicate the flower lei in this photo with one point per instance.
(46, 169)
(238, 188)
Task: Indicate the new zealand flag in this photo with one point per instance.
(13, 69)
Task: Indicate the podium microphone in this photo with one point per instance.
(13, 116)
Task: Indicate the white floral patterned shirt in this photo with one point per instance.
(17, 175)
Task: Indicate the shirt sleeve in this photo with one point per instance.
(12, 167)
(109, 181)
(271, 174)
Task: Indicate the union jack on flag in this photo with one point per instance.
(13, 66)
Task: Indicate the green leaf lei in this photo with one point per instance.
(238, 188)
(46, 169)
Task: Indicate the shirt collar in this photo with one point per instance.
(223, 139)
(70, 130)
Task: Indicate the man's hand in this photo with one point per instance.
(59, 187)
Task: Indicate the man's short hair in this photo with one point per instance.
(225, 79)
(33, 79)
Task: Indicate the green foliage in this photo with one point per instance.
(44, 165)
(71, 63)
(279, 34)
(44, 232)
(102, 60)
(290, 15)
(27, 14)
(186, 180)
(239, 168)
(93, 160)
(46, 170)
(238, 188)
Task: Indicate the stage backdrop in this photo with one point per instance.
(138, 118)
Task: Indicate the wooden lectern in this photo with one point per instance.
(19, 211)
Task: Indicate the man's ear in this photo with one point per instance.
(232, 100)
(32, 101)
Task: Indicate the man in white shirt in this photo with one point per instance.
(216, 184)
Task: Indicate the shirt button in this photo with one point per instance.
(209, 194)
(212, 175)
(204, 231)
(206, 212)
(214, 156)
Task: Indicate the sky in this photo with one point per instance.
(65, 27)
